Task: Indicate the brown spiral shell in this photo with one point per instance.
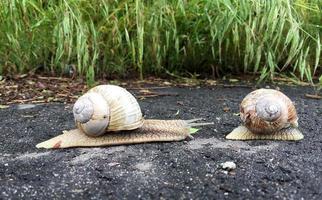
(265, 111)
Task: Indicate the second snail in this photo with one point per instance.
(267, 114)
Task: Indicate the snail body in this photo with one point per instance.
(110, 115)
(267, 114)
(107, 108)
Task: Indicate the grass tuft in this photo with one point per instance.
(104, 38)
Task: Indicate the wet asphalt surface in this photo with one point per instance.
(178, 170)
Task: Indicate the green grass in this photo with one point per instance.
(102, 38)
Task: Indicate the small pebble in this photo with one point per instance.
(229, 165)
(112, 164)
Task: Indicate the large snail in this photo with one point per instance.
(110, 115)
(267, 114)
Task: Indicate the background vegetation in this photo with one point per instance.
(119, 37)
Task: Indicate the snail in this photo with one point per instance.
(267, 114)
(110, 115)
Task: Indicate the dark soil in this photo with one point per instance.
(178, 170)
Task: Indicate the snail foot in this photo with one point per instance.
(243, 133)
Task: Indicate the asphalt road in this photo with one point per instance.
(178, 170)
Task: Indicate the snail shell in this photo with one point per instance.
(264, 111)
(267, 114)
(107, 108)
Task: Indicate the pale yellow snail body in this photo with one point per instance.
(267, 114)
(110, 115)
